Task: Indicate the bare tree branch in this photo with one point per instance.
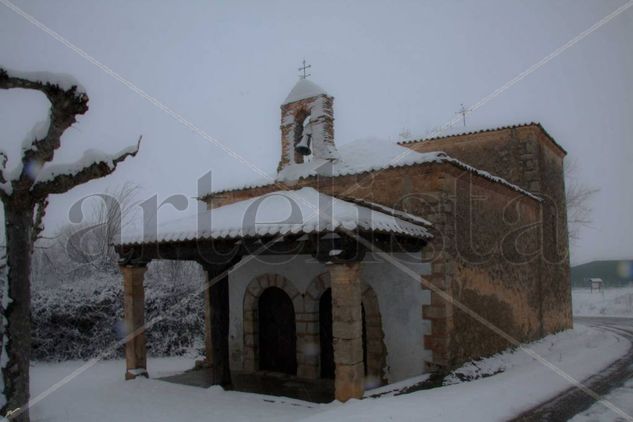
(578, 197)
(66, 104)
(3, 164)
(3, 180)
(38, 221)
(64, 182)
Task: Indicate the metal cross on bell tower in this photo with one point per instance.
(303, 69)
(463, 111)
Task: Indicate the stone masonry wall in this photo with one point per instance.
(524, 296)
(527, 156)
(492, 263)
(292, 115)
(556, 271)
(436, 193)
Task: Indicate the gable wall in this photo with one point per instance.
(528, 157)
(556, 268)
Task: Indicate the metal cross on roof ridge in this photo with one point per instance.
(463, 111)
(303, 69)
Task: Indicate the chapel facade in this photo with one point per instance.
(371, 262)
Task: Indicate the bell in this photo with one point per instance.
(303, 147)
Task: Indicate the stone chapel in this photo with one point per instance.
(367, 263)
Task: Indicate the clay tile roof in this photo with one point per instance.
(519, 125)
(302, 211)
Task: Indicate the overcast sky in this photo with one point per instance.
(227, 66)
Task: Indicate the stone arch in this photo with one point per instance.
(251, 315)
(375, 345)
(299, 119)
(376, 349)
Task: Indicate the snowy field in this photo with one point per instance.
(608, 302)
(101, 394)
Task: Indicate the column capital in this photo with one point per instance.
(133, 267)
(338, 249)
(345, 271)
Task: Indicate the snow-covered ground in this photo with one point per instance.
(101, 394)
(621, 397)
(607, 302)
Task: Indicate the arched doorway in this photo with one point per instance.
(326, 338)
(277, 332)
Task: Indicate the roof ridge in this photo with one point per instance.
(470, 132)
(403, 215)
(474, 132)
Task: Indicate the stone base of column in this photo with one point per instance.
(131, 374)
(308, 371)
(203, 363)
(349, 382)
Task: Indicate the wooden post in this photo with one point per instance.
(134, 309)
(347, 330)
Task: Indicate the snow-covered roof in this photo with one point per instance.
(471, 130)
(279, 213)
(360, 156)
(366, 155)
(303, 89)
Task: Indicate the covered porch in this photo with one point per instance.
(333, 232)
(317, 390)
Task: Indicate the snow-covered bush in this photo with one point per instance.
(83, 319)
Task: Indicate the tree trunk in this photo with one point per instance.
(17, 339)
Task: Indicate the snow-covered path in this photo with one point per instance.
(101, 394)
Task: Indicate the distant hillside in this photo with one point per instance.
(615, 273)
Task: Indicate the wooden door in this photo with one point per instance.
(277, 332)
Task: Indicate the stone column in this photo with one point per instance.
(308, 345)
(347, 330)
(134, 309)
(216, 336)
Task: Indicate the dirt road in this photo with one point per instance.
(573, 401)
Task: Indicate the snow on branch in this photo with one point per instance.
(61, 81)
(93, 165)
(68, 100)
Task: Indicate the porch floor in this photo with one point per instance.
(269, 383)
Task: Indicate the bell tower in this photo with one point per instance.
(307, 125)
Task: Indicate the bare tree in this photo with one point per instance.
(24, 193)
(91, 243)
(578, 197)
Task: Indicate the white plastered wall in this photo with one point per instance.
(400, 298)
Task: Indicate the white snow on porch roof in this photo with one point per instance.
(280, 213)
